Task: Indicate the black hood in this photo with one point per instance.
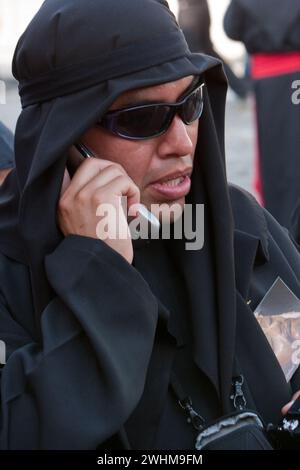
(74, 59)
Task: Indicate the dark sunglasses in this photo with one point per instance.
(152, 120)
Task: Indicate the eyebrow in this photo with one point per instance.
(136, 102)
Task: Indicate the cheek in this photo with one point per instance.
(194, 135)
(135, 157)
(194, 128)
(136, 166)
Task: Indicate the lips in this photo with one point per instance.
(173, 176)
(172, 189)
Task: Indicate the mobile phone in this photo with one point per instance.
(78, 153)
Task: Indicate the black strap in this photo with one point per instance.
(185, 402)
(198, 422)
(237, 396)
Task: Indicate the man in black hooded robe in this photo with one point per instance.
(93, 330)
(271, 33)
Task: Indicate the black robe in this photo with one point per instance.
(92, 340)
(272, 26)
(99, 371)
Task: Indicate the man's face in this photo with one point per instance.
(3, 174)
(161, 167)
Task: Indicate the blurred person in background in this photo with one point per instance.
(195, 21)
(6, 152)
(270, 30)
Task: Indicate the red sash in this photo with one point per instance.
(273, 64)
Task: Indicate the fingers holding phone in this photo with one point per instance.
(98, 183)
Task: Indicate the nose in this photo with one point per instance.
(176, 141)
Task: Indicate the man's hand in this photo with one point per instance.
(97, 182)
(286, 407)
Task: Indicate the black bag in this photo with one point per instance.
(237, 431)
(241, 430)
